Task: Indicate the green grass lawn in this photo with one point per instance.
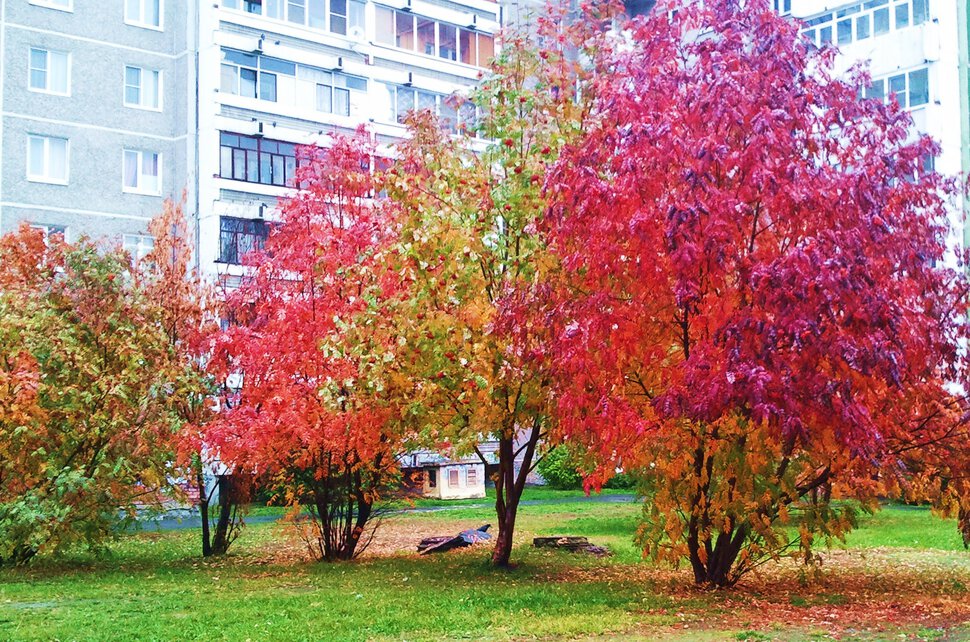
(531, 493)
(153, 586)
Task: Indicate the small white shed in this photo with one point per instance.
(434, 475)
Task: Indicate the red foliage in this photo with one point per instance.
(308, 340)
(757, 302)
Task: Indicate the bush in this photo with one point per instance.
(621, 481)
(558, 468)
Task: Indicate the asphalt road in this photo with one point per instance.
(191, 520)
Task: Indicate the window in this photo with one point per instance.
(317, 14)
(919, 88)
(453, 478)
(337, 16)
(144, 13)
(51, 232)
(880, 21)
(782, 7)
(432, 478)
(356, 17)
(910, 89)
(921, 11)
(50, 71)
(844, 31)
(252, 75)
(404, 30)
(47, 159)
(384, 25)
(238, 237)
(472, 476)
(274, 9)
(63, 5)
(141, 172)
(143, 88)
(475, 48)
(330, 91)
(138, 245)
(426, 36)
(296, 11)
(447, 42)
(406, 99)
(877, 90)
(902, 15)
(257, 160)
(864, 20)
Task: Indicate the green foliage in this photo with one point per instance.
(559, 469)
(621, 481)
(85, 401)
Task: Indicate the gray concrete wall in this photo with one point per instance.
(93, 117)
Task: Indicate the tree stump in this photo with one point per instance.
(570, 543)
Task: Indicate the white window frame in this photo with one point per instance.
(142, 71)
(47, 89)
(66, 5)
(286, 15)
(46, 178)
(49, 230)
(138, 189)
(138, 22)
(138, 245)
(854, 14)
(906, 93)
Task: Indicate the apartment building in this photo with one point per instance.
(917, 52)
(96, 115)
(107, 108)
(274, 74)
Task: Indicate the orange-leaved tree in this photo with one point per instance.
(87, 425)
(758, 314)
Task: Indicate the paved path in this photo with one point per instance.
(192, 520)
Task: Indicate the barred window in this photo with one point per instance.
(238, 237)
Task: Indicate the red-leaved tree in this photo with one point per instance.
(315, 414)
(756, 311)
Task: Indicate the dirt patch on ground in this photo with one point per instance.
(400, 536)
(872, 594)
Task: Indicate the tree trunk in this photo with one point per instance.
(502, 553)
(227, 504)
(204, 513)
(20, 556)
(363, 514)
(509, 485)
(342, 510)
(963, 523)
(721, 557)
